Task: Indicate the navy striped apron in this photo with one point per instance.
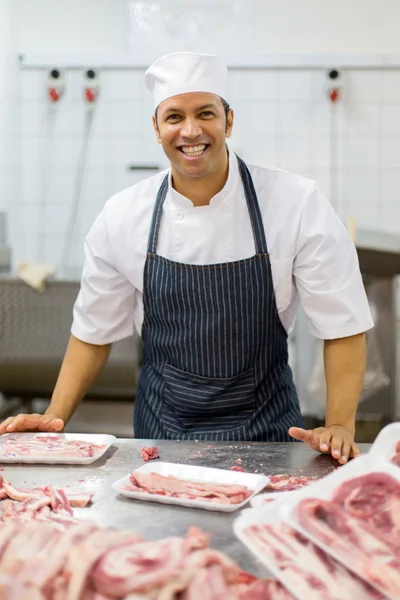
(215, 358)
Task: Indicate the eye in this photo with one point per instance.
(172, 118)
(207, 114)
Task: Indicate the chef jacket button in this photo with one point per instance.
(179, 216)
(227, 207)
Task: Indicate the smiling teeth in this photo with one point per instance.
(194, 150)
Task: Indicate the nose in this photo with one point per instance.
(191, 129)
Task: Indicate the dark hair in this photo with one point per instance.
(225, 104)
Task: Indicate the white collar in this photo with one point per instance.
(217, 200)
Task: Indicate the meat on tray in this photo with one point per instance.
(266, 500)
(49, 446)
(75, 499)
(305, 567)
(149, 453)
(42, 503)
(154, 483)
(361, 523)
(287, 483)
(85, 562)
(396, 457)
(267, 589)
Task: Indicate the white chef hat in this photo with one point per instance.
(183, 72)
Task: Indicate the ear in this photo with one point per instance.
(229, 123)
(156, 129)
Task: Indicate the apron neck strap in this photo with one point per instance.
(155, 222)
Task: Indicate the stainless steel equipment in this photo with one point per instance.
(34, 331)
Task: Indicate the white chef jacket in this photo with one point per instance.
(313, 258)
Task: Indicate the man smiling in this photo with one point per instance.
(209, 261)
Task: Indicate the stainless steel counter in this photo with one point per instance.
(155, 520)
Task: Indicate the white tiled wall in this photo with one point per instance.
(282, 118)
(9, 100)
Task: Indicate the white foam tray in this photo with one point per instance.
(384, 447)
(255, 483)
(94, 438)
(324, 489)
(265, 499)
(271, 513)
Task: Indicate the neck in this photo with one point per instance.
(201, 190)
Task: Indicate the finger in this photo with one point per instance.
(315, 435)
(24, 423)
(14, 422)
(354, 452)
(5, 424)
(336, 446)
(346, 447)
(325, 440)
(303, 435)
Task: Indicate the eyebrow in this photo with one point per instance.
(178, 110)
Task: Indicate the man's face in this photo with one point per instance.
(192, 129)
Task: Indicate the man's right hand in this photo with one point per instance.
(33, 422)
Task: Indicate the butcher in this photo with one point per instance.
(209, 260)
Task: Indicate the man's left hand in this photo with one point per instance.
(335, 440)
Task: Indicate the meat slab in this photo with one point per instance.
(305, 567)
(396, 457)
(287, 483)
(42, 503)
(43, 446)
(266, 500)
(154, 483)
(85, 562)
(149, 453)
(361, 523)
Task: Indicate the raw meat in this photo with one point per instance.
(396, 457)
(374, 499)
(305, 567)
(361, 523)
(149, 453)
(41, 503)
(287, 483)
(266, 500)
(269, 589)
(49, 446)
(75, 499)
(39, 562)
(237, 468)
(153, 483)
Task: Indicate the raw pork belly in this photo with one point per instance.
(267, 589)
(287, 483)
(396, 457)
(361, 522)
(149, 453)
(37, 562)
(267, 500)
(49, 445)
(313, 573)
(42, 503)
(153, 483)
